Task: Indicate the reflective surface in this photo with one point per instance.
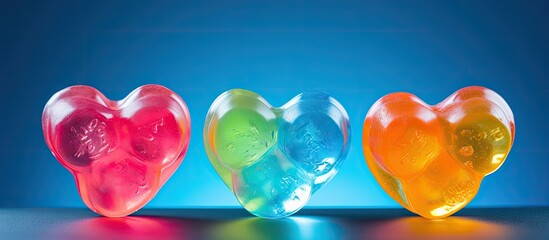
(120, 152)
(452, 227)
(274, 159)
(496, 223)
(432, 159)
(140, 227)
(294, 227)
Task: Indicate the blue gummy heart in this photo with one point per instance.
(274, 159)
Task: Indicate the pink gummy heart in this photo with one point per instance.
(120, 152)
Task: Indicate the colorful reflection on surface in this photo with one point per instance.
(301, 227)
(315, 224)
(448, 228)
(125, 228)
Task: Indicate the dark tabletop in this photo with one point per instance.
(470, 223)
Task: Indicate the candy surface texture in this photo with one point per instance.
(120, 152)
(274, 159)
(432, 159)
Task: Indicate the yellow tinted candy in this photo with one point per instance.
(432, 159)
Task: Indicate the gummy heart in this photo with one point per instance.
(432, 159)
(120, 152)
(274, 159)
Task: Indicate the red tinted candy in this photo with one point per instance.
(120, 152)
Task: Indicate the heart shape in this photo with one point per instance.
(120, 152)
(274, 159)
(432, 159)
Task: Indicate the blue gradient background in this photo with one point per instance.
(355, 51)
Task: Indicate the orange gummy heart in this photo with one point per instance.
(432, 159)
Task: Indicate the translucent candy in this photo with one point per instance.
(274, 159)
(120, 152)
(432, 159)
